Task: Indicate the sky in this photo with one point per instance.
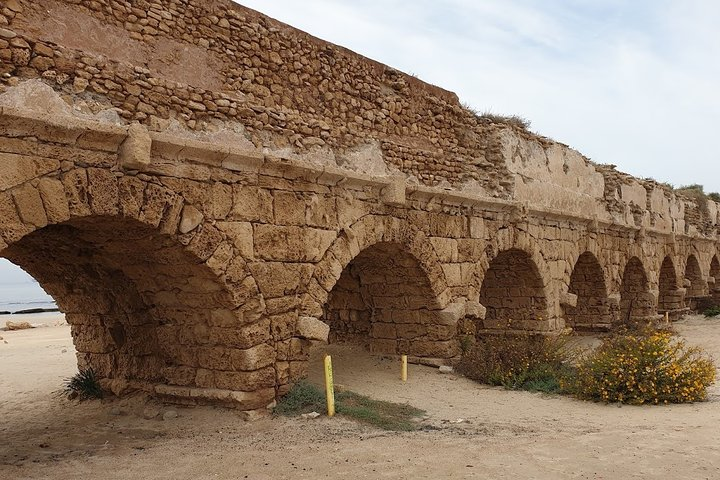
(628, 82)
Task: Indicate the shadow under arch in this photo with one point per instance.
(380, 284)
(384, 301)
(637, 303)
(694, 281)
(715, 274)
(670, 299)
(514, 294)
(139, 304)
(592, 310)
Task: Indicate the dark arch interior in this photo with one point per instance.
(383, 300)
(513, 293)
(715, 273)
(136, 300)
(694, 279)
(670, 299)
(588, 283)
(636, 301)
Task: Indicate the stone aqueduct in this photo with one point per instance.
(199, 187)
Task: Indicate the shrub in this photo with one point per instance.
(712, 312)
(643, 367)
(84, 385)
(516, 361)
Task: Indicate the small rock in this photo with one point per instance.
(64, 350)
(116, 411)
(5, 33)
(310, 416)
(169, 415)
(254, 415)
(445, 369)
(17, 325)
(150, 412)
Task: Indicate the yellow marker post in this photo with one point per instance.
(403, 368)
(329, 388)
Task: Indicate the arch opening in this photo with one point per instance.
(384, 302)
(140, 306)
(715, 276)
(636, 301)
(670, 298)
(587, 281)
(694, 282)
(513, 292)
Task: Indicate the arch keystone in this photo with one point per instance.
(134, 152)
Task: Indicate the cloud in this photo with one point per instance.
(629, 83)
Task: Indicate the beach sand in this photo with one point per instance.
(474, 431)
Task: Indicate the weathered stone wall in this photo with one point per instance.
(271, 180)
(209, 66)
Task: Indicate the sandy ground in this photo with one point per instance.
(472, 431)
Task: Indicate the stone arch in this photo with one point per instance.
(694, 282)
(156, 296)
(670, 299)
(383, 300)
(636, 301)
(381, 286)
(366, 232)
(715, 275)
(587, 282)
(514, 294)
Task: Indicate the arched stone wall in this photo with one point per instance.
(592, 309)
(670, 295)
(383, 300)
(514, 293)
(363, 234)
(155, 295)
(694, 280)
(637, 303)
(715, 275)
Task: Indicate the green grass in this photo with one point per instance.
(712, 312)
(305, 397)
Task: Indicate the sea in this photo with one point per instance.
(19, 291)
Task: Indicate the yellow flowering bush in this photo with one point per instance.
(644, 367)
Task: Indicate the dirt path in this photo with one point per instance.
(473, 431)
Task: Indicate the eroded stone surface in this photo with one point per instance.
(213, 228)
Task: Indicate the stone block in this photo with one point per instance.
(191, 217)
(241, 234)
(252, 204)
(475, 309)
(289, 208)
(451, 314)
(568, 299)
(53, 197)
(394, 193)
(134, 152)
(29, 205)
(312, 329)
(103, 191)
(292, 243)
(384, 330)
